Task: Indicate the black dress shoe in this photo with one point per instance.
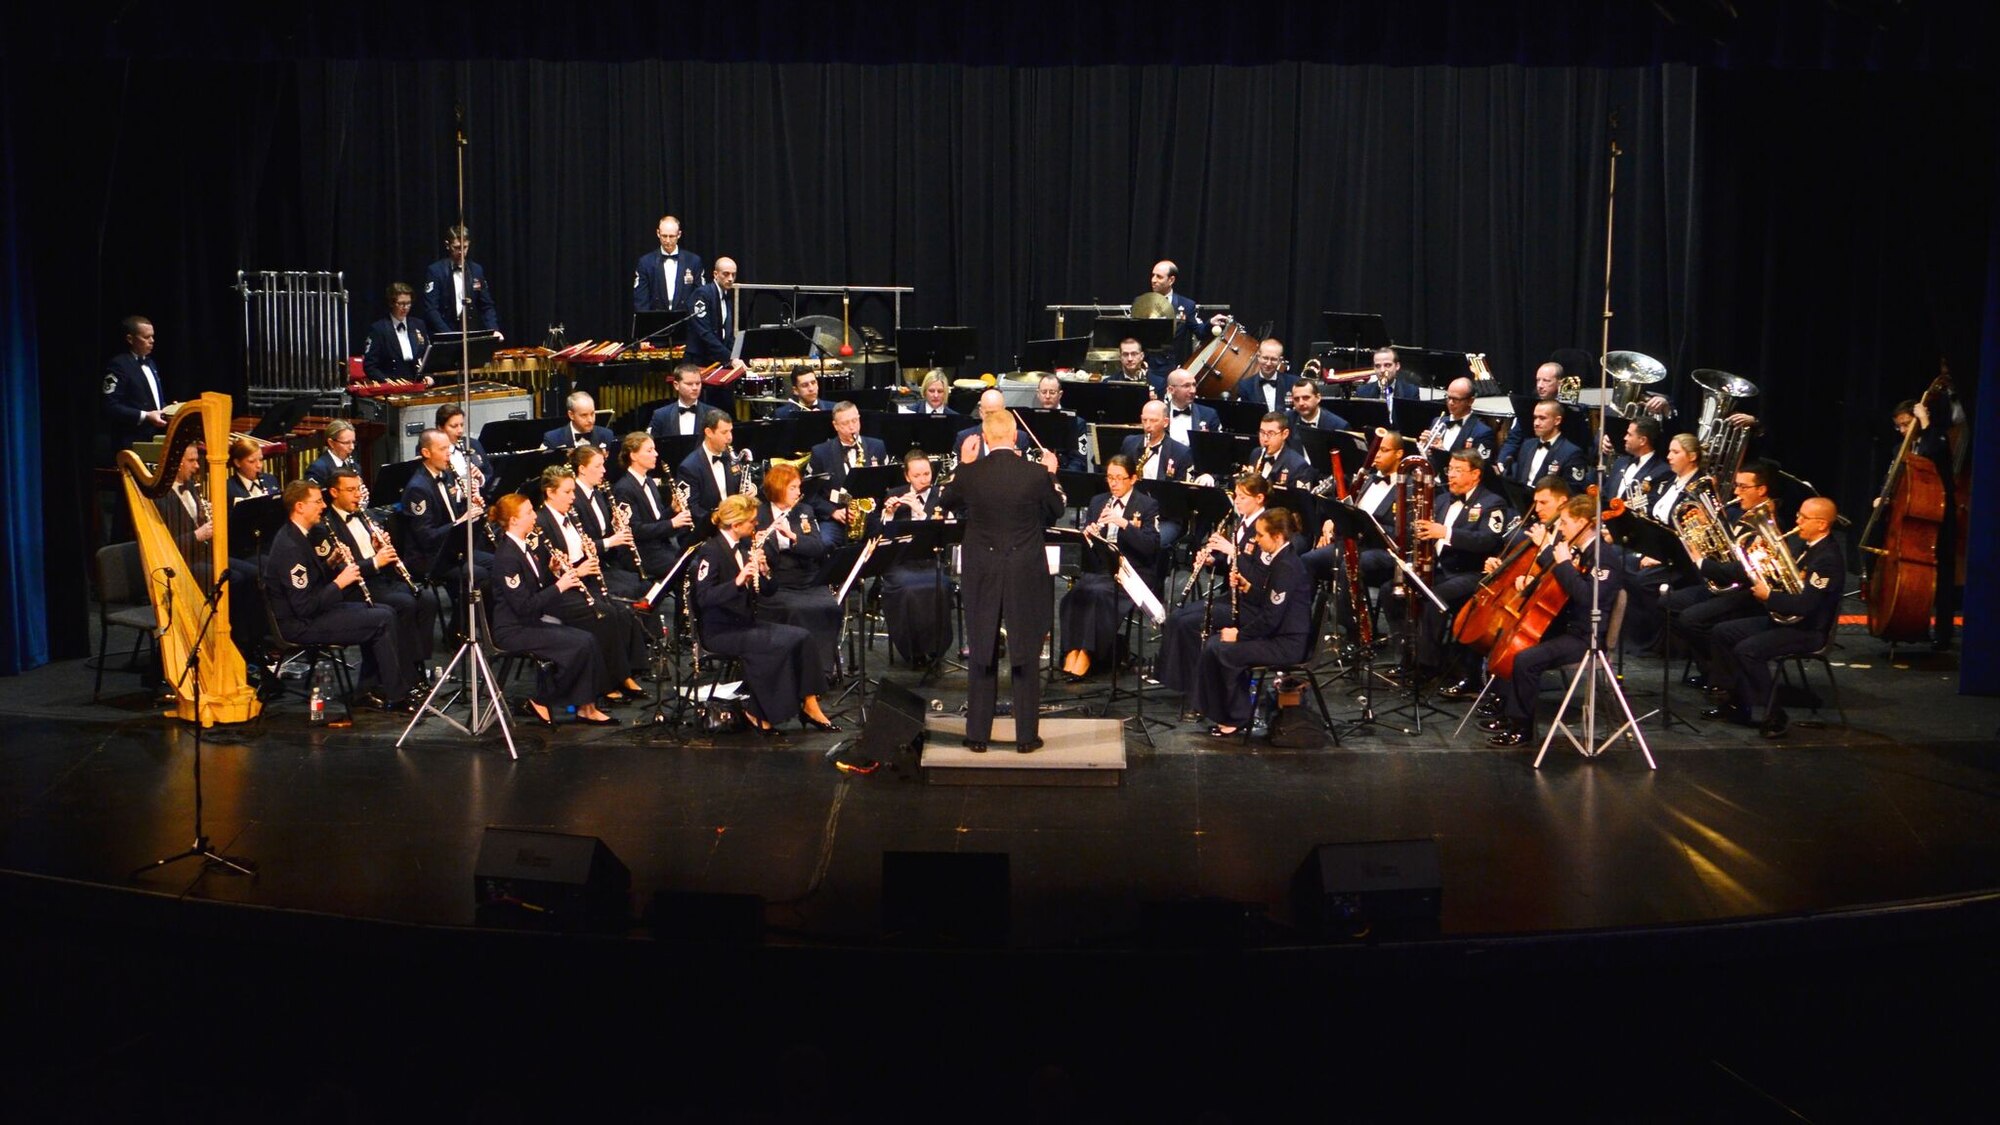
(976, 747)
(1775, 725)
(1494, 726)
(368, 700)
(606, 721)
(1028, 747)
(810, 723)
(1460, 689)
(1216, 731)
(1728, 713)
(1695, 680)
(526, 709)
(1513, 736)
(1492, 705)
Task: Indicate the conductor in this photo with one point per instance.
(1005, 502)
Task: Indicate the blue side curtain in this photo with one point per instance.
(24, 627)
(1979, 641)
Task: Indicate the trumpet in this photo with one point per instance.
(1431, 435)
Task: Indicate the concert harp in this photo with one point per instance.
(181, 569)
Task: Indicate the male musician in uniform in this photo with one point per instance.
(453, 283)
(134, 395)
(318, 601)
(1185, 416)
(971, 441)
(1065, 436)
(1389, 383)
(1269, 382)
(1131, 362)
(1693, 611)
(1374, 491)
(1639, 464)
(416, 615)
(709, 472)
(1548, 381)
(1458, 429)
(1182, 636)
(581, 411)
(1465, 530)
(712, 331)
(396, 344)
(665, 279)
(433, 502)
(1276, 460)
(1548, 452)
(339, 440)
(1591, 562)
(832, 458)
(1745, 648)
(1006, 502)
(1934, 443)
(682, 416)
(1307, 411)
(1189, 329)
(805, 396)
(1156, 456)
(468, 457)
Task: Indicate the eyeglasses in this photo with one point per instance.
(1458, 398)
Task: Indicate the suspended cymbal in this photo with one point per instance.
(1723, 383)
(825, 332)
(1634, 367)
(1152, 306)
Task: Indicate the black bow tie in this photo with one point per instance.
(1548, 445)
(1183, 413)
(401, 326)
(673, 257)
(721, 460)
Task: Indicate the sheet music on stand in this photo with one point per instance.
(1141, 594)
(651, 599)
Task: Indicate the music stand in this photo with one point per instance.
(454, 353)
(515, 471)
(936, 347)
(1237, 417)
(1368, 534)
(279, 420)
(254, 521)
(1144, 601)
(1107, 439)
(658, 599)
(516, 435)
(1219, 453)
(657, 325)
(775, 342)
(1111, 401)
(1358, 331)
(1062, 353)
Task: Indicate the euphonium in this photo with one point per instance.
(1760, 551)
(1722, 444)
(1699, 523)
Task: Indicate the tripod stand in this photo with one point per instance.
(212, 859)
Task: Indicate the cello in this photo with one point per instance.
(1540, 605)
(1496, 605)
(1900, 580)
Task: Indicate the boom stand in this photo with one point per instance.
(492, 709)
(213, 860)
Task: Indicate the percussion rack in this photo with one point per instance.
(741, 287)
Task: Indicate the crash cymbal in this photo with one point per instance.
(1101, 355)
(825, 333)
(1152, 306)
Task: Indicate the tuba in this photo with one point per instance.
(1722, 445)
(1634, 375)
(1760, 551)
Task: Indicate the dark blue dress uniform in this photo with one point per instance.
(129, 391)
(697, 471)
(1565, 459)
(1325, 420)
(1200, 419)
(1271, 393)
(1403, 388)
(524, 592)
(666, 421)
(1167, 460)
(1089, 614)
(1189, 330)
(566, 437)
(321, 471)
(1568, 636)
(416, 616)
(780, 663)
(1007, 502)
(1472, 434)
(1180, 639)
(439, 296)
(831, 460)
(653, 530)
(787, 410)
(797, 593)
(712, 329)
(1275, 628)
(916, 593)
(1288, 469)
(1477, 527)
(649, 281)
(1744, 648)
(621, 642)
(298, 577)
(239, 489)
(431, 505)
(621, 564)
(1629, 480)
(382, 355)
(246, 605)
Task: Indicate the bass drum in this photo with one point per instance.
(1224, 361)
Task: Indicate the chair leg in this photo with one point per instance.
(103, 638)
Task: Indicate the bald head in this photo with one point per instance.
(1458, 397)
(991, 403)
(1547, 379)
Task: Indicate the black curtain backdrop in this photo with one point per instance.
(1824, 235)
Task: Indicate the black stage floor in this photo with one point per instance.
(1897, 810)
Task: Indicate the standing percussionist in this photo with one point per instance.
(135, 399)
(452, 284)
(316, 600)
(712, 330)
(665, 279)
(1188, 327)
(396, 344)
(1006, 502)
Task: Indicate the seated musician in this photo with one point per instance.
(1693, 611)
(708, 474)
(1547, 451)
(1640, 471)
(468, 457)
(1065, 436)
(416, 616)
(712, 329)
(1459, 428)
(1199, 617)
(781, 668)
(247, 478)
(190, 519)
(1389, 383)
(1744, 648)
(1277, 461)
(1536, 531)
(655, 518)
(805, 396)
(1307, 412)
(1185, 416)
(936, 400)
(1089, 613)
(594, 509)
(1268, 383)
(581, 412)
(569, 549)
(797, 593)
(433, 503)
(1576, 560)
(318, 600)
(916, 593)
(396, 344)
(1644, 576)
(1274, 625)
(339, 453)
(971, 441)
(832, 458)
(1464, 530)
(1156, 456)
(682, 416)
(1131, 362)
(570, 669)
(1374, 490)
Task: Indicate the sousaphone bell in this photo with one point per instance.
(1634, 373)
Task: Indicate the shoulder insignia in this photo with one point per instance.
(1169, 470)
(701, 573)
(1485, 451)
(635, 279)
(701, 308)
(805, 524)
(299, 576)
(110, 382)
(1277, 597)
(1820, 581)
(324, 549)
(1602, 575)
(418, 505)
(687, 277)
(513, 582)
(1576, 472)
(430, 286)
(1497, 521)
(478, 283)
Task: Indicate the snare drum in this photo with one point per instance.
(836, 383)
(757, 386)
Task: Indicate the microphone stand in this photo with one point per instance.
(212, 859)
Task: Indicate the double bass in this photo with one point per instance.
(1900, 576)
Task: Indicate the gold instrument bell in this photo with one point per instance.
(1633, 373)
(1152, 306)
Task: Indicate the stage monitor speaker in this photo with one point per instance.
(895, 723)
(550, 880)
(1346, 890)
(946, 898)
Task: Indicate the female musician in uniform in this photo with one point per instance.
(1273, 626)
(797, 594)
(590, 606)
(247, 478)
(593, 510)
(656, 519)
(916, 593)
(1089, 613)
(523, 591)
(781, 669)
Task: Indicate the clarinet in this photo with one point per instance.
(346, 556)
(560, 566)
(621, 520)
(381, 539)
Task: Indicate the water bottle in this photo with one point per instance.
(316, 712)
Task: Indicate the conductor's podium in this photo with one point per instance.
(1085, 752)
